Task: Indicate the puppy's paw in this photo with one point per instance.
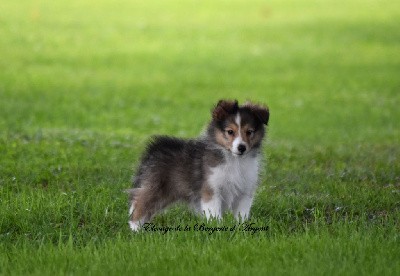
(134, 225)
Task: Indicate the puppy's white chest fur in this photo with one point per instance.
(235, 178)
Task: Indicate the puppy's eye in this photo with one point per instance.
(229, 131)
(249, 132)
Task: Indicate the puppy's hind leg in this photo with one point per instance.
(145, 204)
(132, 199)
(137, 212)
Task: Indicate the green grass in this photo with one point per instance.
(83, 84)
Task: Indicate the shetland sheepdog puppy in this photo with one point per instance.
(213, 173)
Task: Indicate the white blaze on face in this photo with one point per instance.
(238, 140)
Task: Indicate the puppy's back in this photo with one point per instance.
(171, 164)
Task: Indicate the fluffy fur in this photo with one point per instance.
(214, 173)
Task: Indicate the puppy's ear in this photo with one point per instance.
(224, 108)
(261, 112)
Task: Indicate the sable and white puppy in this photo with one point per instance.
(214, 173)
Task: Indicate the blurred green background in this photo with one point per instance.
(327, 69)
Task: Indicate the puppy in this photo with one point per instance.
(213, 173)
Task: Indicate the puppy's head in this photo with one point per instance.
(238, 129)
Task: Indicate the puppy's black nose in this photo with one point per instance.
(241, 148)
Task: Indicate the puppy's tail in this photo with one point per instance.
(133, 193)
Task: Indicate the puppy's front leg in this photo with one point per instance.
(242, 209)
(211, 207)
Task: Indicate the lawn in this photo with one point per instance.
(84, 84)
